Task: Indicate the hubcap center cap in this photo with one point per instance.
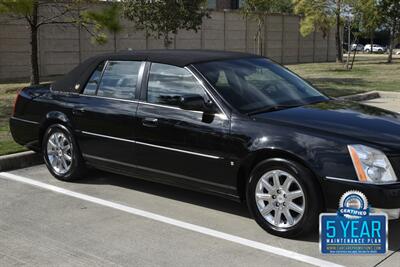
(280, 199)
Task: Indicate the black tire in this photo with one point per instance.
(77, 165)
(312, 197)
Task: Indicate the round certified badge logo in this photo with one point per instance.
(353, 229)
(353, 205)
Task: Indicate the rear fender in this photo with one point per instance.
(53, 117)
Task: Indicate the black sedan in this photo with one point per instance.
(232, 124)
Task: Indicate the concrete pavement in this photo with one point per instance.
(41, 228)
(388, 100)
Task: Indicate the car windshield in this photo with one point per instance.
(254, 85)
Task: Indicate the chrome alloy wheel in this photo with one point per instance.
(280, 199)
(59, 153)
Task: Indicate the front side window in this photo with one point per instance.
(119, 79)
(257, 84)
(92, 84)
(167, 84)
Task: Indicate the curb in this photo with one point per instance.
(361, 97)
(20, 160)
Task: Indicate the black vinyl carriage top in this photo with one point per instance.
(75, 79)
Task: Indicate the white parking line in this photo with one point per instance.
(192, 227)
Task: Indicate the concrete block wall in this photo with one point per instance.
(213, 30)
(235, 32)
(273, 37)
(14, 50)
(63, 47)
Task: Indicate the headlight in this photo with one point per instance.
(372, 165)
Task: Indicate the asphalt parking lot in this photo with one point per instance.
(107, 220)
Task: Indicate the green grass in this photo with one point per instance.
(8, 93)
(370, 72)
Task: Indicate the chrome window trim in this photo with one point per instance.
(358, 182)
(152, 145)
(165, 106)
(111, 98)
(220, 115)
(23, 120)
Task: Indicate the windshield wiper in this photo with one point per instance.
(271, 108)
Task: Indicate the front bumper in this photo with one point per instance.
(380, 197)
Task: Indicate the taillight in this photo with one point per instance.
(15, 103)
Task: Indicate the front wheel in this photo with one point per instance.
(283, 198)
(61, 153)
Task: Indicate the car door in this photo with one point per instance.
(104, 113)
(184, 146)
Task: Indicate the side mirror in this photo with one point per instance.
(196, 102)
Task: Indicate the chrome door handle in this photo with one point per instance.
(150, 122)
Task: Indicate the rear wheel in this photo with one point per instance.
(61, 153)
(283, 199)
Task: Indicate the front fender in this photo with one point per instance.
(325, 155)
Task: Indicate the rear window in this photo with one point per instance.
(114, 79)
(119, 80)
(92, 84)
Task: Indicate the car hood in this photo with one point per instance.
(355, 121)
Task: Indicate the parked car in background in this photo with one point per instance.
(232, 124)
(396, 49)
(357, 47)
(376, 48)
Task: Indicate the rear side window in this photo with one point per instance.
(91, 86)
(168, 83)
(119, 79)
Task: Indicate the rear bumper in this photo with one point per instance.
(25, 132)
(379, 196)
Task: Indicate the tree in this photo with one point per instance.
(38, 13)
(322, 15)
(390, 11)
(161, 19)
(368, 16)
(257, 10)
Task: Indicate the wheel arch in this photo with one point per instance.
(53, 117)
(267, 154)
